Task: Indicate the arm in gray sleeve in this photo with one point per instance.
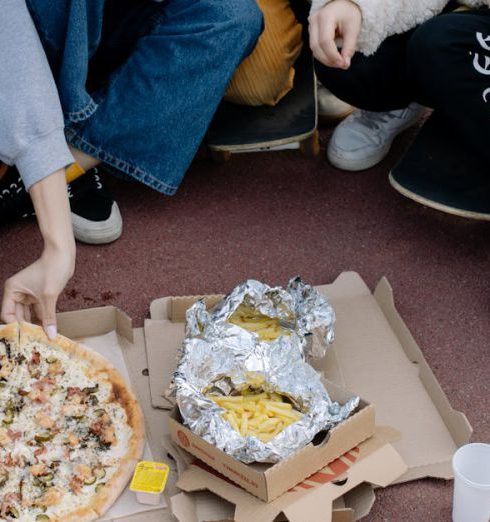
(31, 121)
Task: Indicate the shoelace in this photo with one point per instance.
(375, 120)
(91, 178)
(14, 188)
(98, 183)
(11, 198)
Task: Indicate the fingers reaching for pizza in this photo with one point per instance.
(35, 290)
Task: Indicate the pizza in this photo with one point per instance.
(71, 431)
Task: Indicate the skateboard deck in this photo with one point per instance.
(238, 128)
(441, 172)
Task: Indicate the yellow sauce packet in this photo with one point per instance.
(149, 477)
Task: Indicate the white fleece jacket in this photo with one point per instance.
(383, 18)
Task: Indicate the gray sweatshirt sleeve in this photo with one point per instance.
(31, 121)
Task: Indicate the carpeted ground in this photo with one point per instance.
(273, 215)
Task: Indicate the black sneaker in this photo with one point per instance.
(15, 202)
(440, 172)
(94, 213)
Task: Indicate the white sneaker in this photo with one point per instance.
(364, 138)
(331, 108)
(95, 215)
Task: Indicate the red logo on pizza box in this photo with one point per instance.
(330, 473)
(183, 439)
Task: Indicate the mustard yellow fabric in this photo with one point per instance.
(268, 73)
(73, 172)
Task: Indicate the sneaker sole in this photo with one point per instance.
(454, 211)
(98, 232)
(360, 164)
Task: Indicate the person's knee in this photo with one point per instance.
(431, 46)
(335, 79)
(245, 18)
(345, 84)
(433, 57)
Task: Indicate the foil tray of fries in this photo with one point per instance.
(256, 313)
(242, 382)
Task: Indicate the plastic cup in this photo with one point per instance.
(471, 465)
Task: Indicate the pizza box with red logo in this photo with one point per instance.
(269, 481)
(266, 481)
(318, 498)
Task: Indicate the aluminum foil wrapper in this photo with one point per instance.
(299, 307)
(227, 358)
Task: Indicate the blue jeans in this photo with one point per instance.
(161, 70)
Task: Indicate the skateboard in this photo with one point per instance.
(441, 172)
(292, 123)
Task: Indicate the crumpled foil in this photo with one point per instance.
(227, 357)
(299, 307)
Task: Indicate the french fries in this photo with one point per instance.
(262, 415)
(267, 328)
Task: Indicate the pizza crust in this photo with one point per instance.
(11, 333)
(110, 493)
(104, 499)
(81, 515)
(128, 401)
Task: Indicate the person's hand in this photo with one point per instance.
(34, 291)
(338, 19)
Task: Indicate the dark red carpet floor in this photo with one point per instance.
(272, 215)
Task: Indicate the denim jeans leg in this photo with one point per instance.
(70, 32)
(158, 105)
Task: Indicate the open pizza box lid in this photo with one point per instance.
(203, 506)
(374, 355)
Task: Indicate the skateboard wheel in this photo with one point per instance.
(220, 156)
(310, 147)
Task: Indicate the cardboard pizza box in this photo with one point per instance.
(199, 504)
(374, 355)
(269, 481)
(265, 481)
(319, 497)
(206, 507)
(202, 505)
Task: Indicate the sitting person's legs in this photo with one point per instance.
(381, 89)
(150, 115)
(155, 109)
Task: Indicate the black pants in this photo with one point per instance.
(443, 64)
